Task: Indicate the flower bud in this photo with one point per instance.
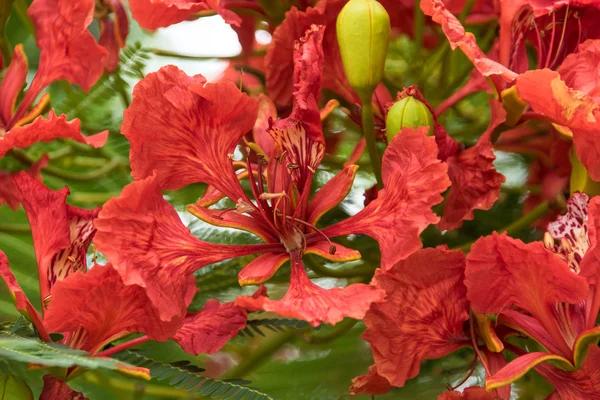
(363, 30)
(407, 112)
(12, 387)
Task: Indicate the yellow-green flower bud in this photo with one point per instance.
(13, 388)
(407, 112)
(363, 31)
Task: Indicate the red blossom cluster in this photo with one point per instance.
(260, 150)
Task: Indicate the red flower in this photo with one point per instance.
(548, 292)
(57, 389)
(19, 125)
(144, 238)
(8, 190)
(113, 31)
(154, 14)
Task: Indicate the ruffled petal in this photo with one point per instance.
(61, 233)
(502, 272)
(262, 268)
(547, 94)
(208, 330)
(105, 308)
(423, 315)
(13, 83)
(457, 37)
(46, 130)
(57, 389)
(413, 180)
(144, 238)
(8, 190)
(22, 303)
(69, 50)
(331, 194)
(475, 182)
(186, 130)
(153, 14)
(372, 383)
(580, 70)
(307, 301)
(300, 135)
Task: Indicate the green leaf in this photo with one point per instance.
(187, 376)
(16, 348)
(273, 324)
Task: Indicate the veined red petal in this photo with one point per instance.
(210, 329)
(57, 389)
(372, 383)
(309, 302)
(580, 70)
(413, 180)
(69, 51)
(186, 130)
(22, 303)
(300, 135)
(262, 268)
(457, 37)
(470, 393)
(547, 94)
(331, 194)
(502, 272)
(8, 190)
(475, 182)
(61, 233)
(260, 133)
(519, 367)
(423, 315)
(13, 83)
(152, 14)
(46, 130)
(109, 42)
(144, 238)
(105, 308)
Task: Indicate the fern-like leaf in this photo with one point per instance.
(133, 59)
(17, 348)
(184, 375)
(273, 324)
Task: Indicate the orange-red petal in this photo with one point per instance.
(372, 383)
(57, 389)
(331, 194)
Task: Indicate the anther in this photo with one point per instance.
(548, 241)
(243, 207)
(293, 166)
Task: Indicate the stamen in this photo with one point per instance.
(476, 345)
(332, 248)
(546, 65)
(539, 40)
(469, 373)
(220, 215)
(562, 37)
(548, 241)
(269, 196)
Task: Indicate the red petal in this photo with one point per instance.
(57, 389)
(46, 130)
(413, 180)
(260, 132)
(342, 254)
(502, 272)
(301, 135)
(22, 303)
(423, 315)
(8, 190)
(331, 194)
(153, 14)
(372, 383)
(186, 131)
(262, 268)
(12, 84)
(590, 265)
(548, 95)
(100, 303)
(208, 330)
(69, 51)
(470, 393)
(475, 182)
(457, 36)
(109, 42)
(61, 233)
(580, 70)
(309, 302)
(142, 235)
(519, 367)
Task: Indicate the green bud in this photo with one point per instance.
(363, 31)
(407, 112)
(13, 388)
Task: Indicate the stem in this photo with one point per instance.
(167, 53)
(465, 11)
(129, 386)
(419, 23)
(539, 211)
(21, 9)
(5, 9)
(343, 327)
(90, 197)
(123, 346)
(261, 355)
(15, 228)
(368, 126)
